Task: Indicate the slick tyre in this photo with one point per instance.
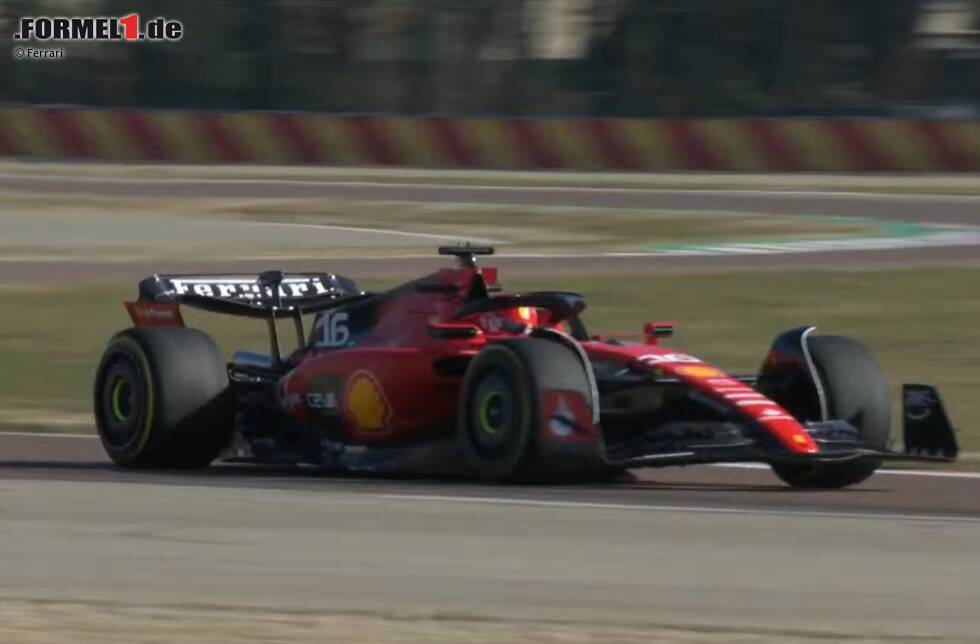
(855, 391)
(161, 399)
(498, 427)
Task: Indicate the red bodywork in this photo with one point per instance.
(392, 382)
(386, 391)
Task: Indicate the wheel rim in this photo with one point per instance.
(494, 414)
(121, 403)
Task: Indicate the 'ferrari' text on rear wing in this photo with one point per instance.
(266, 296)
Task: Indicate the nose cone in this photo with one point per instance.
(768, 414)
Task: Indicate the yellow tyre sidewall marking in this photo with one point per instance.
(524, 385)
(134, 347)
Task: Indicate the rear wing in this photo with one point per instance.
(267, 296)
(250, 295)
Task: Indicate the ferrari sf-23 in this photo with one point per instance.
(446, 374)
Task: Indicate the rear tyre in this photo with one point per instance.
(856, 392)
(161, 399)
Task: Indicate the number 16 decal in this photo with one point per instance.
(335, 332)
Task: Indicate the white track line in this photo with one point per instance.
(382, 231)
(41, 259)
(926, 473)
(48, 435)
(500, 187)
(720, 251)
(440, 498)
(929, 473)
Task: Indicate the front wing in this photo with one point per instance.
(927, 436)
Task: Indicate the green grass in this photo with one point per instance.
(921, 324)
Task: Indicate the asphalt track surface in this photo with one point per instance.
(936, 209)
(67, 271)
(951, 209)
(704, 547)
(716, 547)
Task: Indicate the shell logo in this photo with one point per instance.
(366, 403)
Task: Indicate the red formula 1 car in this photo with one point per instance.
(446, 374)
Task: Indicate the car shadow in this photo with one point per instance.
(280, 475)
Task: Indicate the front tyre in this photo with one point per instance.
(161, 398)
(855, 391)
(497, 417)
(500, 428)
